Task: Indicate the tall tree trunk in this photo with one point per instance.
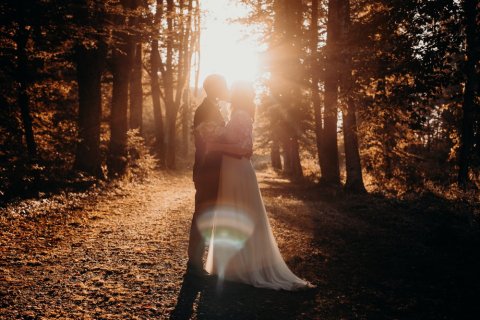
(197, 34)
(171, 118)
(275, 154)
(189, 48)
(330, 145)
(136, 91)
(291, 92)
(118, 118)
(315, 92)
(122, 58)
(155, 87)
(168, 81)
(354, 181)
(470, 8)
(186, 116)
(296, 166)
(287, 159)
(157, 110)
(90, 65)
(353, 166)
(175, 80)
(22, 75)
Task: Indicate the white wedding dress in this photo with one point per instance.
(241, 246)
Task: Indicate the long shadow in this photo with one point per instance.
(389, 258)
(184, 309)
(214, 299)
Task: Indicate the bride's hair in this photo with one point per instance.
(242, 98)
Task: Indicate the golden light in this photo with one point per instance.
(225, 49)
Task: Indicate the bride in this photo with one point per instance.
(241, 245)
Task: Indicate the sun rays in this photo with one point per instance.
(225, 47)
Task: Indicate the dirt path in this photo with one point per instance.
(124, 259)
(122, 255)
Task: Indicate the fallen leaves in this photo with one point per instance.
(122, 255)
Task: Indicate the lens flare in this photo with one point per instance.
(225, 230)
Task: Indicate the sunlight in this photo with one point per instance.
(224, 46)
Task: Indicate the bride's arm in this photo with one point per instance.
(210, 131)
(229, 148)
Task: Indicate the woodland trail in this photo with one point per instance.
(122, 255)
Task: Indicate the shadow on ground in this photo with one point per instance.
(227, 300)
(379, 258)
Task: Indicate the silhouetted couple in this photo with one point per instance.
(230, 217)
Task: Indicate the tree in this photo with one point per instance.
(136, 90)
(121, 64)
(155, 85)
(90, 58)
(174, 68)
(315, 90)
(286, 82)
(140, 30)
(471, 92)
(354, 181)
(330, 145)
(23, 74)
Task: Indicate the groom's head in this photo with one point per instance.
(215, 86)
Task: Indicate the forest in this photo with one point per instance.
(383, 93)
(363, 108)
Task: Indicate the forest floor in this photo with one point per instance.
(121, 254)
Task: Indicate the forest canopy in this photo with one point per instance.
(363, 95)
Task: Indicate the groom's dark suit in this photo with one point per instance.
(206, 174)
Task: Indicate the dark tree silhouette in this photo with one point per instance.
(155, 87)
(23, 74)
(330, 145)
(353, 168)
(90, 64)
(121, 64)
(471, 12)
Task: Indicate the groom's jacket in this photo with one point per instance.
(206, 169)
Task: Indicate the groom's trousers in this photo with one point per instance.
(205, 198)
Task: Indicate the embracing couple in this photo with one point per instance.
(230, 217)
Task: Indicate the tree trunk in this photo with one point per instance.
(275, 155)
(174, 79)
(291, 151)
(315, 92)
(90, 65)
(157, 110)
(170, 103)
(171, 118)
(289, 92)
(186, 116)
(121, 69)
(470, 8)
(353, 168)
(287, 157)
(189, 49)
(296, 166)
(330, 146)
(24, 103)
(22, 75)
(118, 118)
(136, 92)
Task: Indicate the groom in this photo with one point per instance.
(206, 170)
